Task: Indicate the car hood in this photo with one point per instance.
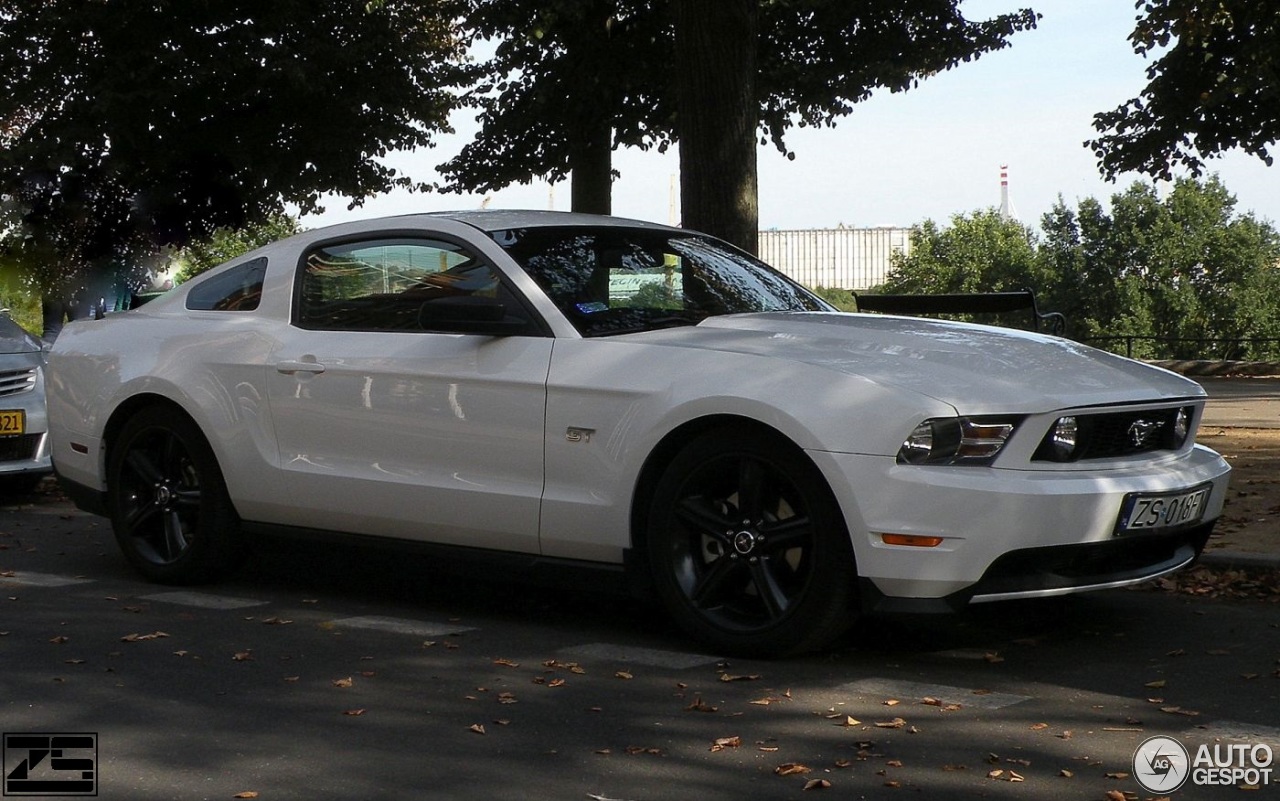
(16, 340)
(977, 369)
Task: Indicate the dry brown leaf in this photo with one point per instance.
(506, 663)
(355, 713)
(993, 657)
(849, 721)
(246, 794)
(730, 677)
(155, 635)
(478, 728)
(892, 702)
(347, 682)
(242, 656)
(1155, 685)
(1039, 726)
(60, 639)
(1115, 795)
(699, 706)
(726, 742)
(791, 769)
(817, 784)
(896, 723)
(894, 763)
(1119, 775)
(624, 675)
(1066, 774)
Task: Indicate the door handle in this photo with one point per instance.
(293, 367)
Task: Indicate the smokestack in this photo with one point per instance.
(1006, 206)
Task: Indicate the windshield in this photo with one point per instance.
(621, 280)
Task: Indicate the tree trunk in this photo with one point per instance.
(591, 170)
(717, 117)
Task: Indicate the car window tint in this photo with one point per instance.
(236, 289)
(612, 281)
(386, 285)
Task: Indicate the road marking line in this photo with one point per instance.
(396, 625)
(895, 688)
(202, 600)
(649, 657)
(42, 580)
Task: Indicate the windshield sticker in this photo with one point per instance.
(593, 307)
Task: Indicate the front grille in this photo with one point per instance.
(14, 382)
(1118, 434)
(20, 448)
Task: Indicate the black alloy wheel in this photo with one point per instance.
(748, 548)
(167, 500)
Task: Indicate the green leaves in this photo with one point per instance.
(1215, 87)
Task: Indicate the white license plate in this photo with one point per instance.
(1165, 510)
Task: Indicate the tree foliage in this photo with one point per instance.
(128, 126)
(1214, 88)
(572, 76)
(225, 244)
(1183, 276)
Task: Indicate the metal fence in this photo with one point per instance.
(1219, 348)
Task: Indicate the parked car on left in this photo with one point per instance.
(24, 427)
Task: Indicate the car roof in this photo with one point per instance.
(489, 220)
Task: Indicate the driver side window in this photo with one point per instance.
(394, 285)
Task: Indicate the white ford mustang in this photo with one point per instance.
(573, 390)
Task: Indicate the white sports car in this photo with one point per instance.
(569, 390)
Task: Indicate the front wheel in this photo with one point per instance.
(748, 548)
(167, 500)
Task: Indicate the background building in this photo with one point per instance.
(836, 258)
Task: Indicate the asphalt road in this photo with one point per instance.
(1244, 402)
(320, 673)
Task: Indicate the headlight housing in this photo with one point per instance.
(957, 440)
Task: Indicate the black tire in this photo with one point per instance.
(168, 502)
(748, 548)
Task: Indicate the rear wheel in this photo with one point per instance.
(748, 549)
(167, 500)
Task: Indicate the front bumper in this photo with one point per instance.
(1011, 533)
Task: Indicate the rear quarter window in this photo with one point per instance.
(236, 289)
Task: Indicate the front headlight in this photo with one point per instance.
(957, 440)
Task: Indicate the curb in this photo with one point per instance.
(1204, 367)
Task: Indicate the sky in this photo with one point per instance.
(899, 159)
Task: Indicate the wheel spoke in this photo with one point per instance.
(752, 480)
(141, 463)
(187, 497)
(712, 585)
(137, 516)
(786, 534)
(775, 599)
(175, 540)
(704, 517)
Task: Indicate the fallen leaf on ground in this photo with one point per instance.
(791, 769)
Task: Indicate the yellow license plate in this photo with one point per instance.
(12, 422)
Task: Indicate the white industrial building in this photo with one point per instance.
(835, 258)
